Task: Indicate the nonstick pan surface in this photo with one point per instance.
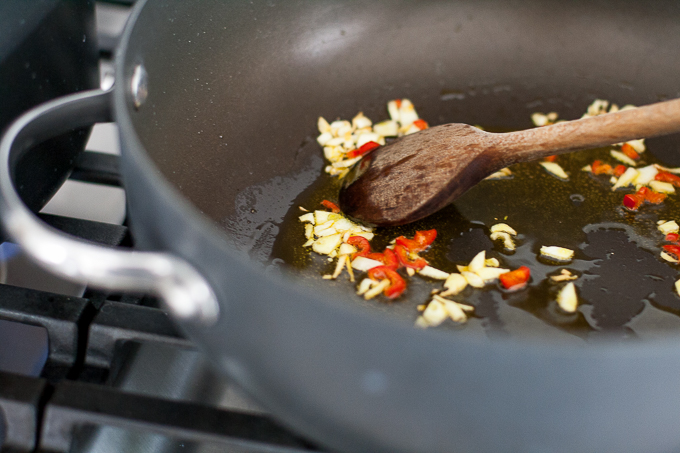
(224, 146)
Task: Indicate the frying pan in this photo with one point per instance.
(216, 103)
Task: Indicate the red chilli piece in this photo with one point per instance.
(330, 205)
(600, 168)
(550, 158)
(649, 195)
(421, 240)
(388, 258)
(632, 201)
(363, 149)
(405, 259)
(421, 124)
(516, 279)
(619, 170)
(398, 102)
(673, 250)
(630, 151)
(665, 176)
(425, 237)
(672, 237)
(397, 284)
(361, 244)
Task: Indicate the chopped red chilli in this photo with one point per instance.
(516, 279)
(421, 240)
(388, 258)
(634, 201)
(420, 124)
(406, 259)
(665, 176)
(672, 237)
(672, 249)
(600, 168)
(330, 205)
(361, 244)
(629, 151)
(397, 284)
(363, 149)
(619, 170)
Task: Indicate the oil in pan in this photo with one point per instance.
(625, 289)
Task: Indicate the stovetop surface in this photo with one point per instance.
(83, 370)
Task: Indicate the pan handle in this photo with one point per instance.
(185, 291)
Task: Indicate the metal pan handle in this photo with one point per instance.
(187, 294)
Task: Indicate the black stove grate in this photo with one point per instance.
(91, 341)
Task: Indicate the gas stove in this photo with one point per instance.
(83, 370)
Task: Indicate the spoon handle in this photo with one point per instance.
(648, 121)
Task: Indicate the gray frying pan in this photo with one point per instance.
(217, 102)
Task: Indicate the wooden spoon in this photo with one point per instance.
(421, 173)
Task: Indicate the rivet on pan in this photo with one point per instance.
(139, 85)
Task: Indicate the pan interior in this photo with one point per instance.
(235, 91)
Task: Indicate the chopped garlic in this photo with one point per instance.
(557, 253)
(587, 168)
(677, 287)
(454, 284)
(503, 173)
(364, 286)
(309, 231)
(324, 226)
(367, 236)
(339, 266)
(508, 243)
(492, 262)
(626, 178)
(645, 175)
(454, 311)
(435, 313)
(638, 145)
(618, 155)
(321, 217)
(555, 169)
(323, 125)
(662, 187)
(326, 232)
(369, 137)
(360, 121)
(346, 249)
(473, 279)
(564, 276)
(669, 227)
(307, 218)
(489, 274)
(410, 271)
(327, 244)
(361, 263)
(668, 257)
(324, 138)
(503, 227)
(388, 128)
(433, 273)
(567, 299)
(393, 110)
(539, 119)
(421, 323)
(376, 290)
(675, 170)
(407, 113)
(477, 262)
